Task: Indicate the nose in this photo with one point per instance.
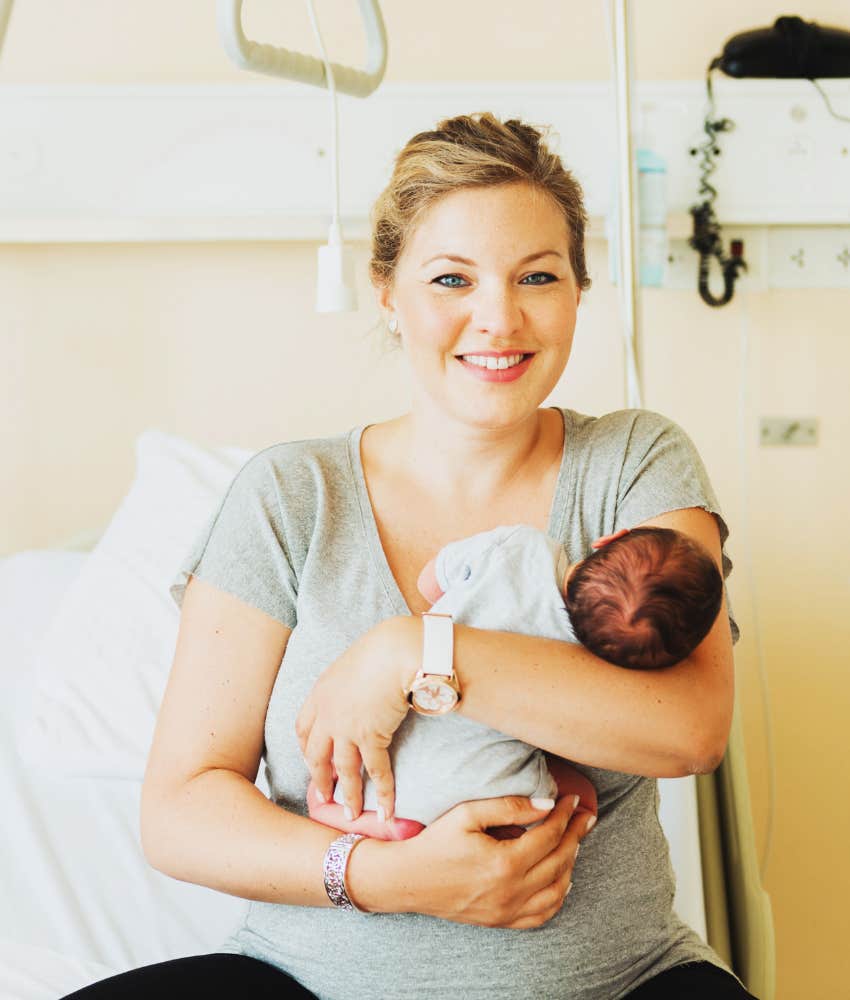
(497, 310)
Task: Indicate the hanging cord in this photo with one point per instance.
(806, 51)
(706, 239)
(335, 233)
(822, 92)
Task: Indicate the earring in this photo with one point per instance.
(393, 326)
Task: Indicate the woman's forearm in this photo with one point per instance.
(560, 697)
(219, 830)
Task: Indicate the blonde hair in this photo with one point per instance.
(468, 151)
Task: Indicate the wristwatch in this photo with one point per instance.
(435, 689)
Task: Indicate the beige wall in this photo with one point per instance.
(99, 342)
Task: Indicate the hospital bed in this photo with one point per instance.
(86, 635)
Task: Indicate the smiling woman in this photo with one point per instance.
(491, 197)
(299, 642)
(497, 318)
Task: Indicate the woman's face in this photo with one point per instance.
(485, 299)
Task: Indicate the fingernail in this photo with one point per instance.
(590, 824)
(543, 803)
(568, 890)
(382, 814)
(578, 848)
(349, 815)
(575, 802)
(320, 797)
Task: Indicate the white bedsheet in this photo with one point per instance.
(75, 891)
(30, 973)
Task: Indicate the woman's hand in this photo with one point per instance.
(456, 871)
(354, 709)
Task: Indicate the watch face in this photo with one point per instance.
(434, 696)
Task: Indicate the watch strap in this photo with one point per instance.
(437, 644)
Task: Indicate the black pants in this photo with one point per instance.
(243, 977)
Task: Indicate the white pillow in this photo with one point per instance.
(102, 666)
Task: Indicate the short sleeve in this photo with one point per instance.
(662, 472)
(242, 549)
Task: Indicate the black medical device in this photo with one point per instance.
(791, 49)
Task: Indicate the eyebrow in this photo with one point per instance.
(465, 260)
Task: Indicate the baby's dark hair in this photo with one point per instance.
(645, 600)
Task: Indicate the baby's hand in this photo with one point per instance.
(332, 814)
(427, 583)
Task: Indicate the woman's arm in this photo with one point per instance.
(551, 694)
(202, 818)
(204, 821)
(662, 723)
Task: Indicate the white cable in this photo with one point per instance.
(744, 476)
(336, 287)
(618, 28)
(335, 235)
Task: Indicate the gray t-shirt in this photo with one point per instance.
(296, 537)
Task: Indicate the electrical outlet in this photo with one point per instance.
(788, 430)
(809, 257)
(681, 270)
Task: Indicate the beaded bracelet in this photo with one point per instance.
(334, 868)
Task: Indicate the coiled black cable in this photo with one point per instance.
(706, 239)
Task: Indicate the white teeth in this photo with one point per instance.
(506, 361)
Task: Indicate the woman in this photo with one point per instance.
(315, 552)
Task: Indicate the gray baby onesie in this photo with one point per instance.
(507, 579)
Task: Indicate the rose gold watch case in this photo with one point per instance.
(423, 680)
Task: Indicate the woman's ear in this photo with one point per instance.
(383, 293)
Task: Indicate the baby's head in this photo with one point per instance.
(646, 599)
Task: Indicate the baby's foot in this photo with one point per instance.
(572, 782)
(333, 814)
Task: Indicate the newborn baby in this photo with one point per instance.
(644, 599)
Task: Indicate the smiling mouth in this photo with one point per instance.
(492, 362)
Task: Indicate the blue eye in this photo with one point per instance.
(456, 281)
(549, 278)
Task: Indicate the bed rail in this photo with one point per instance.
(739, 917)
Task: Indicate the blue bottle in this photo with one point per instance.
(652, 201)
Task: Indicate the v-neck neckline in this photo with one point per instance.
(554, 526)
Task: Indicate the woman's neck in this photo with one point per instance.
(472, 465)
